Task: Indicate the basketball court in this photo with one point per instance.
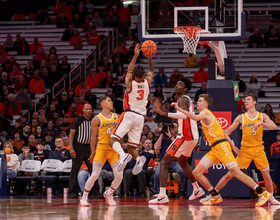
(130, 208)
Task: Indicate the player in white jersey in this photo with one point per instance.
(131, 121)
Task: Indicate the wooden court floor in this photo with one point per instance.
(30, 208)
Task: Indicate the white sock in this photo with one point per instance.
(118, 148)
(110, 191)
(217, 190)
(256, 186)
(195, 185)
(85, 195)
(210, 189)
(162, 190)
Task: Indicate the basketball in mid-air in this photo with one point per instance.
(149, 47)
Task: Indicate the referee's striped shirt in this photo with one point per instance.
(82, 127)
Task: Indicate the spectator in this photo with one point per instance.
(56, 7)
(160, 78)
(96, 20)
(2, 64)
(256, 39)
(241, 84)
(101, 73)
(23, 99)
(74, 104)
(275, 147)
(11, 107)
(4, 97)
(141, 177)
(89, 7)
(17, 142)
(119, 54)
(81, 88)
(57, 76)
(134, 33)
(58, 107)
(116, 63)
(253, 86)
(62, 21)
(150, 122)
(5, 80)
(50, 129)
(174, 78)
(76, 40)
(8, 44)
(272, 39)
(12, 160)
(268, 110)
(275, 78)
(41, 154)
(36, 62)
(93, 80)
(49, 143)
(65, 126)
(36, 84)
(192, 61)
(68, 33)
(202, 90)
(42, 121)
(3, 53)
(117, 103)
(24, 47)
(17, 42)
(120, 73)
(249, 33)
(34, 47)
(91, 98)
(32, 143)
(13, 76)
(81, 104)
(64, 67)
(204, 60)
(123, 50)
(82, 12)
(51, 111)
(277, 117)
(25, 155)
(160, 118)
(117, 89)
(26, 131)
(105, 63)
(41, 55)
(42, 16)
(48, 79)
(200, 75)
(124, 20)
(107, 81)
(52, 51)
(59, 153)
(64, 102)
(93, 38)
(77, 21)
(111, 20)
(159, 93)
(38, 133)
(148, 145)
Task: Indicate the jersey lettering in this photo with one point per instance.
(141, 94)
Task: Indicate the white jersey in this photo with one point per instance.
(137, 99)
(188, 127)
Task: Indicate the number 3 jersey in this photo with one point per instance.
(104, 131)
(137, 99)
(251, 137)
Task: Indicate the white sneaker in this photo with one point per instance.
(197, 193)
(159, 200)
(110, 198)
(273, 201)
(139, 164)
(155, 196)
(123, 161)
(83, 202)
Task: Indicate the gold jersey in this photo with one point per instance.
(214, 131)
(105, 128)
(250, 136)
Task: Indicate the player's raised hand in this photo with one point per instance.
(175, 105)
(155, 102)
(157, 111)
(137, 50)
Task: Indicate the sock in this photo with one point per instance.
(162, 190)
(85, 195)
(211, 188)
(118, 148)
(217, 190)
(195, 185)
(258, 189)
(110, 191)
(213, 192)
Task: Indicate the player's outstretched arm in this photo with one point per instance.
(234, 125)
(159, 109)
(267, 122)
(150, 74)
(201, 116)
(93, 137)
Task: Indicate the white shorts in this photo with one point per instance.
(180, 146)
(129, 123)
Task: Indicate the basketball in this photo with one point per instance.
(149, 47)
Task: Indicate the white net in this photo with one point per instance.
(190, 37)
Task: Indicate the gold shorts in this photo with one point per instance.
(106, 153)
(221, 153)
(257, 154)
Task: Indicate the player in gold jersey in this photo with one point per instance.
(101, 127)
(220, 152)
(252, 148)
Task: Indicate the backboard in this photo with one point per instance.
(221, 19)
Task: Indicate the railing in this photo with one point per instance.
(99, 47)
(70, 80)
(105, 9)
(94, 60)
(115, 36)
(53, 88)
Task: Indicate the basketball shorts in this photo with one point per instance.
(257, 154)
(104, 153)
(129, 123)
(221, 153)
(180, 146)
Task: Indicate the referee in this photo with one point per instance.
(79, 147)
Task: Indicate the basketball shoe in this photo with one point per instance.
(109, 198)
(273, 201)
(263, 198)
(123, 161)
(84, 202)
(159, 200)
(211, 200)
(140, 161)
(197, 193)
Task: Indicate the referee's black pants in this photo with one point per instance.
(83, 152)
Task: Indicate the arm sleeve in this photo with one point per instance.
(178, 115)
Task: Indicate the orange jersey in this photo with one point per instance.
(214, 131)
(251, 137)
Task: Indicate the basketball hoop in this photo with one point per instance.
(190, 36)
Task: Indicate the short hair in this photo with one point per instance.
(25, 145)
(27, 125)
(208, 50)
(187, 82)
(41, 143)
(82, 94)
(255, 98)
(15, 131)
(82, 80)
(57, 137)
(139, 71)
(207, 98)
(102, 98)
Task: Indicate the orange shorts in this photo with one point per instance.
(180, 146)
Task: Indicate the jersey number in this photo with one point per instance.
(254, 132)
(141, 94)
(108, 131)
